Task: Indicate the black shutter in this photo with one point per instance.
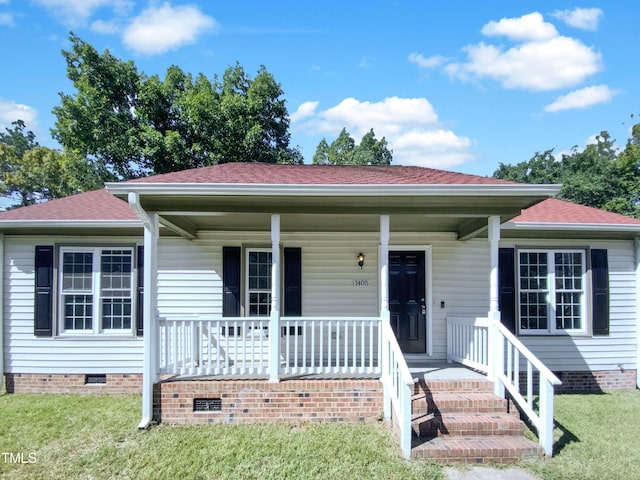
(292, 282)
(140, 293)
(43, 321)
(507, 288)
(600, 287)
(231, 258)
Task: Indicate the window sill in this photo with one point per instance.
(99, 337)
(554, 334)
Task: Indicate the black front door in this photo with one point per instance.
(407, 300)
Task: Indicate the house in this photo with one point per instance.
(304, 285)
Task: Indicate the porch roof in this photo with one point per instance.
(309, 198)
(240, 196)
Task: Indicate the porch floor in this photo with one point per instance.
(419, 368)
(441, 370)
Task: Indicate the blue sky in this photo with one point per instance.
(458, 85)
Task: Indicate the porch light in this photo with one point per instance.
(361, 259)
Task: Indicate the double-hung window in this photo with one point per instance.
(552, 297)
(95, 290)
(259, 282)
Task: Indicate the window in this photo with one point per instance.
(552, 291)
(258, 282)
(96, 290)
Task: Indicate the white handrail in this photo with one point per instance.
(397, 382)
(482, 343)
(510, 380)
(526, 353)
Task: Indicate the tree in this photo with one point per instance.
(597, 176)
(344, 151)
(34, 173)
(135, 125)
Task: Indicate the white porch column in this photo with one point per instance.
(384, 310)
(637, 245)
(274, 324)
(494, 312)
(384, 263)
(150, 315)
(1, 310)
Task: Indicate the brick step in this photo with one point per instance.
(475, 449)
(422, 404)
(429, 426)
(471, 385)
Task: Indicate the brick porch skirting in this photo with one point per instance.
(590, 382)
(257, 401)
(72, 383)
(597, 381)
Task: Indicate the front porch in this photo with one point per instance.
(315, 279)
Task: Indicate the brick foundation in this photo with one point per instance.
(595, 382)
(72, 383)
(257, 401)
(590, 382)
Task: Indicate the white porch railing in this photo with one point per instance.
(240, 345)
(329, 345)
(490, 347)
(467, 342)
(397, 383)
(512, 359)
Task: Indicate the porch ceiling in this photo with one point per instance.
(466, 215)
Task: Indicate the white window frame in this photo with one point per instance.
(95, 291)
(248, 290)
(551, 293)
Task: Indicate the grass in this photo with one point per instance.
(95, 437)
(596, 437)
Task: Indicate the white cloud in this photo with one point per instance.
(6, 19)
(305, 110)
(78, 12)
(424, 62)
(583, 98)
(105, 26)
(10, 111)
(530, 27)
(555, 63)
(160, 29)
(410, 126)
(539, 60)
(583, 18)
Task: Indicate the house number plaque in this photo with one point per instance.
(361, 283)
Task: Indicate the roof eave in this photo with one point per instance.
(591, 227)
(44, 224)
(218, 189)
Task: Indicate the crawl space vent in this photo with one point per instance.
(95, 379)
(207, 404)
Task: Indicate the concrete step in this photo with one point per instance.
(475, 449)
(466, 424)
(471, 385)
(464, 402)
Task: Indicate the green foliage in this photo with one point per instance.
(34, 173)
(135, 125)
(599, 176)
(344, 151)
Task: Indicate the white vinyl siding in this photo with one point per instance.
(24, 353)
(190, 287)
(615, 351)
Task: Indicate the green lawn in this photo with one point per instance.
(596, 437)
(95, 437)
